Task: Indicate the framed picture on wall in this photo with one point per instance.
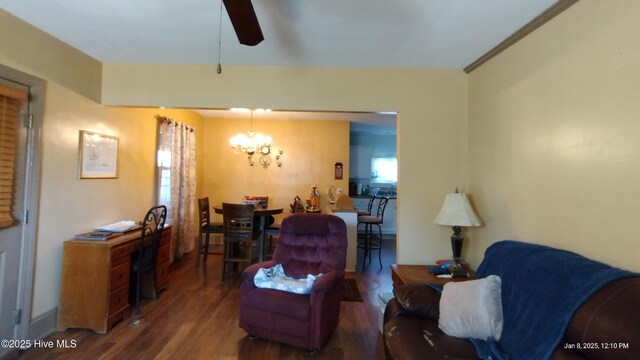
(98, 158)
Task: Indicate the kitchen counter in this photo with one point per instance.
(350, 217)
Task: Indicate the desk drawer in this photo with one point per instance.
(162, 276)
(118, 299)
(121, 250)
(119, 276)
(163, 254)
(165, 238)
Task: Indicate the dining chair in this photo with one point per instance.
(145, 259)
(272, 229)
(272, 232)
(206, 229)
(369, 244)
(240, 236)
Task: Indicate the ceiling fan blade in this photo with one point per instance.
(244, 20)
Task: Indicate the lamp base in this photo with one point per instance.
(456, 268)
(458, 272)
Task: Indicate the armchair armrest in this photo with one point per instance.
(327, 281)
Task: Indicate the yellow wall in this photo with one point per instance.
(431, 129)
(431, 134)
(306, 160)
(550, 154)
(554, 136)
(68, 205)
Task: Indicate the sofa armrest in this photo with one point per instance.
(393, 310)
(418, 299)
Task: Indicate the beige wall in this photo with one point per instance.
(306, 160)
(26, 48)
(431, 130)
(551, 154)
(431, 134)
(554, 136)
(68, 205)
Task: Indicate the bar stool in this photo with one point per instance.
(369, 244)
(372, 198)
(206, 228)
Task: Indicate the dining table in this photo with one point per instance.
(262, 214)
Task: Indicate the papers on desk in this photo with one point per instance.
(95, 235)
(120, 226)
(108, 231)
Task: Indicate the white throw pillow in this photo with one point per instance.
(472, 309)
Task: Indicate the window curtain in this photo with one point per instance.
(177, 149)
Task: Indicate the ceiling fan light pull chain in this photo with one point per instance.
(219, 69)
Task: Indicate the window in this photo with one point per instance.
(9, 110)
(384, 169)
(164, 176)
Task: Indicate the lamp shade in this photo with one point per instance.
(457, 211)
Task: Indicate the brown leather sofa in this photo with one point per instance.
(605, 326)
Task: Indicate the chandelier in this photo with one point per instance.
(254, 143)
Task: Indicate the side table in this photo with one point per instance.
(419, 274)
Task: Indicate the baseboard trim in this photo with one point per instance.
(9, 354)
(43, 325)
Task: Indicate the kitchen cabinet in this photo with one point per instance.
(360, 161)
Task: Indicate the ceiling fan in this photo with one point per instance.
(245, 22)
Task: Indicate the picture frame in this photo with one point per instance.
(98, 155)
(338, 171)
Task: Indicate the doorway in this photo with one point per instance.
(21, 97)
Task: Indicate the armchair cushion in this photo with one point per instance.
(274, 278)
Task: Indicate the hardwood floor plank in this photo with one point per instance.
(197, 318)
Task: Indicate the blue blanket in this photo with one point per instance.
(541, 289)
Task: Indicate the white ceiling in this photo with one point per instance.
(298, 33)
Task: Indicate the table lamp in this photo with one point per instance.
(457, 212)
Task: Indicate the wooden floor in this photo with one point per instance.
(197, 318)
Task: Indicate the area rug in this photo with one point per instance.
(350, 291)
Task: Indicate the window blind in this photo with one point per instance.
(9, 109)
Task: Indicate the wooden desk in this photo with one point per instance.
(262, 214)
(419, 274)
(94, 283)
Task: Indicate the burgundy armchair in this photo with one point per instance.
(308, 244)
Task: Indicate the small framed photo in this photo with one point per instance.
(98, 158)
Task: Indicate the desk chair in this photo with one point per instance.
(145, 259)
(239, 236)
(369, 244)
(206, 228)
